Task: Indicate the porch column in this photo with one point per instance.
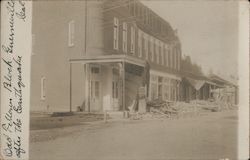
(87, 87)
(123, 86)
(70, 87)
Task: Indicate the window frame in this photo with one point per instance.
(124, 37)
(116, 33)
(43, 88)
(71, 33)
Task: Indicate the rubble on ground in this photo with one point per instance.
(159, 109)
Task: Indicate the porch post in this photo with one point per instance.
(70, 87)
(123, 86)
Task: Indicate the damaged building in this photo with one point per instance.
(99, 57)
(104, 55)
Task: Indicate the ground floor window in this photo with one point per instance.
(164, 88)
(43, 88)
(154, 91)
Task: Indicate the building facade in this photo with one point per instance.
(101, 56)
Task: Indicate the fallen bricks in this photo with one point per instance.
(158, 109)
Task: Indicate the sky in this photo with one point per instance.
(208, 31)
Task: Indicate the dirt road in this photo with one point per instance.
(213, 136)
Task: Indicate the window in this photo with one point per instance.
(160, 80)
(132, 46)
(124, 36)
(166, 54)
(116, 33)
(162, 53)
(179, 59)
(170, 58)
(143, 43)
(154, 87)
(152, 48)
(166, 92)
(95, 70)
(157, 51)
(146, 45)
(97, 88)
(71, 34)
(176, 59)
(139, 43)
(174, 55)
(43, 88)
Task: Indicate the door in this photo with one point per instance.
(115, 92)
(95, 100)
(95, 89)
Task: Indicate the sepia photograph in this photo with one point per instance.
(133, 80)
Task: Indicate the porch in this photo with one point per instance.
(111, 82)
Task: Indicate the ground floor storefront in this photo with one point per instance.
(115, 83)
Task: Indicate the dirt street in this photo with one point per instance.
(213, 136)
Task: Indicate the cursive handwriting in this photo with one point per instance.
(21, 14)
(11, 10)
(20, 85)
(8, 151)
(7, 82)
(17, 147)
(8, 116)
(12, 124)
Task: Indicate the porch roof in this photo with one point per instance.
(109, 59)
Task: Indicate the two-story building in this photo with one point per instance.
(98, 54)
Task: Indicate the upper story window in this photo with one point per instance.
(157, 51)
(71, 34)
(124, 37)
(179, 60)
(152, 48)
(146, 45)
(139, 43)
(161, 56)
(116, 33)
(166, 54)
(170, 57)
(174, 58)
(132, 45)
(162, 53)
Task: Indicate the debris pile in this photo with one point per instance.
(158, 109)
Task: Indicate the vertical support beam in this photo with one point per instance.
(86, 81)
(70, 87)
(123, 85)
(89, 86)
